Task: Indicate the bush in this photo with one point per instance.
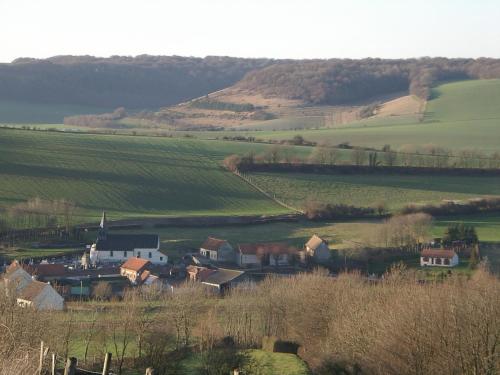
(275, 345)
(322, 211)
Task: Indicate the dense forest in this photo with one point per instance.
(345, 81)
(155, 81)
(133, 82)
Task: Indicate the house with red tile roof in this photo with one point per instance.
(134, 269)
(264, 254)
(438, 258)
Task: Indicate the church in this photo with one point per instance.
(117, 248)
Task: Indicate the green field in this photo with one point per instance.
(363, 190)
(462, 115)
(127, 176)
(269, 363)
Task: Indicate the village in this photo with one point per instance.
(116, 262)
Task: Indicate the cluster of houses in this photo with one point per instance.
(217, 265)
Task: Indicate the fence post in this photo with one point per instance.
(53, 367)
(40, 364)
(70, 368)
(107, 364)
(150, 371)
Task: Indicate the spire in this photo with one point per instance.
(102, 233)
(103, 224)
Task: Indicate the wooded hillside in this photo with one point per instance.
(345, 81)
(133, 82)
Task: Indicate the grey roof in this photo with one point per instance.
(222, 276)
(127, 242)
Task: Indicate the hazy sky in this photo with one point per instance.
(254, 28)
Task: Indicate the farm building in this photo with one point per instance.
(223, 279)
(217, 250)
(318, 249)
(40, 296)
(438, 258)
(264, 254)
(198, 273)
(220, 278)
(136, 270)
(111, 248)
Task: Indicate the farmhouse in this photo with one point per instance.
(29, 292)
(136, 270)
(40, 296)
(111, 248)
(439, 258)
(217, 250)
(317, 248)
(264, 254)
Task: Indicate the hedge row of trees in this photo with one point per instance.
(344, 325)
(427, 156)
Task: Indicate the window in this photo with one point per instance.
(124, 254)
(425, 259)
(138, 254)
(111, 254)
(447, 262)
(150, 255)
(161, 258)
(438, 261)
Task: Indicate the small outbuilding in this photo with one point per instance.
(438, 258)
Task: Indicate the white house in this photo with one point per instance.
(263, 254)
(217, 250)
(40, 296)
(438, 258)
(318, 249)
(117, 248)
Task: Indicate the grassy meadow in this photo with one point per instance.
(394, 191)
(461, 115)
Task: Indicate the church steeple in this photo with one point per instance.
(103, 227)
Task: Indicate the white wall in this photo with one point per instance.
(431, 262)
(119, 256)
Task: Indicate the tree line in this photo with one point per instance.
(326, 153)
(155, 81)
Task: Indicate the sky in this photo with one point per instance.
(255, 28)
